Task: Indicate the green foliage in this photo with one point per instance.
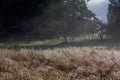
(67, 18)
(56, 18)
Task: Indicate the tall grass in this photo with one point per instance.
(60, 64)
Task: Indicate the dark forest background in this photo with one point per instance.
(47, 19)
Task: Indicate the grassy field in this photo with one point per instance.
(19, 44)
(73, 63)
(59, 43)
(48, 42)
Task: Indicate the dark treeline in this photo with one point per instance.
(14, 11)
(44, 19)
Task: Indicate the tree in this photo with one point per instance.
(45, 18)
(70, 15)
(114, 19)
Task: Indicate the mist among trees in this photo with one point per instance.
(46, 19)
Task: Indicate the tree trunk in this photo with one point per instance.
(58, 36)
(92, 36)
(101, 37)
(65, 39)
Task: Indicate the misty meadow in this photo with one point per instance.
(59, 39)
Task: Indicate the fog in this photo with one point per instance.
(59, 39)
(66, 21)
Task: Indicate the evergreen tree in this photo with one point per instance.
(114, 18)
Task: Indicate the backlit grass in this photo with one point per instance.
(72, 63)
